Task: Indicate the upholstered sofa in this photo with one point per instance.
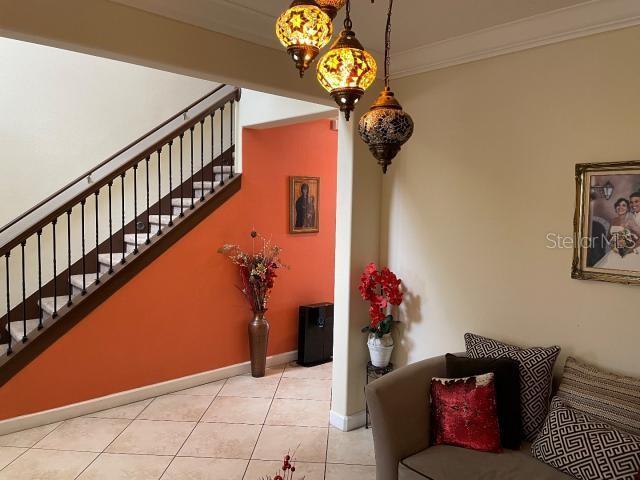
(400, 415)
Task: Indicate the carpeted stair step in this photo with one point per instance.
(130, 240)
(201, 189)
(103, 258)
(17, 328)
(76, 282)
(48, 303)
(175, 204)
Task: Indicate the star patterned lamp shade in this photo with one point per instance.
(346, 71)
(385, 128)
(331, 7)
(304, 29)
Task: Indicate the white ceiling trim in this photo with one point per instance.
(567, 23)
(217, 15)
(576, 21)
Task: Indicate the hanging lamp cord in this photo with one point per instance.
(347, 19)
(387, 46)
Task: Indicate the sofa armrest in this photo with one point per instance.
(401, 414)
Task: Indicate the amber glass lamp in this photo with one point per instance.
(347, 69)
(331, 7)
(304, 29)
(386, 127)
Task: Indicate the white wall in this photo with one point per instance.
(488, 173)
(263, 110)
(267, 111)
(65, 112)
(357, 227)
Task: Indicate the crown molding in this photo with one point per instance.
(580, 20)
(595, 16)
(217, 15)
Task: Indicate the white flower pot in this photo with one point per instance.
(380, 349)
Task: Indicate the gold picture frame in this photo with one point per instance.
(304, 208)
(606, 222)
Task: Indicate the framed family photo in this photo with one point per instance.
(304, 205)
(607, 222)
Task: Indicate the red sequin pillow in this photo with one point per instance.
(464, 412)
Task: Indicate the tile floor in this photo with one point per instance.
(234, 429)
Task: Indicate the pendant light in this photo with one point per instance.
(347, 69)
(331, 7)
(304, 29)
(386, 127)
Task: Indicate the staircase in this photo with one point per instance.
(69, 253)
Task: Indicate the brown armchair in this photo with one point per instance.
(401, 419)
(401, 415)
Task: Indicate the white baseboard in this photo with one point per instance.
(347, 423)
(23, 422)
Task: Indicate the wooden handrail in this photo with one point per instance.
(216, 99)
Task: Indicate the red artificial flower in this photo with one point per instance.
(376, 314)
(380, 289)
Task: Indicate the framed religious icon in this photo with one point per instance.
(607, 222)
(304, 205)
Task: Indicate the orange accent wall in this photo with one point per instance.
(183, 313)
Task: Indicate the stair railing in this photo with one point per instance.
(66, 245)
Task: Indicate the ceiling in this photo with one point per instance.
(420, 22)
(424, 31)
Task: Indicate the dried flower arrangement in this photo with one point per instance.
(288, 469)
(257, 270)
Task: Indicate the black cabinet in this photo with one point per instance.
(315, 334)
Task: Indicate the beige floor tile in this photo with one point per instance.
(127, 412)
(83, 434)
(238, 410)
(210, 389)
(179, 408)
(47, 465)
(274, 371)
(152, 437)
(302, 413)
(322, 372)
(247, 386)
(114, 466)
(221, 440)
(308, 443)
(304, 389)
(354, 447)
(27, 438)
(9, 454)
(261, 468)
(350, 472)
(190, 468)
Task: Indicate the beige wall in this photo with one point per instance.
(489, 172)
(65, 112)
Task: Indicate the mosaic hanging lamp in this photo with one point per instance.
(331, 7)
(304, 28)
(347, 69)
(386, 127)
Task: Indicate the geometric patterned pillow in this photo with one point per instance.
(585, 447)
(536, 372)
(612, 398)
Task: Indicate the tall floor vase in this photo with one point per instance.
(258, 341)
